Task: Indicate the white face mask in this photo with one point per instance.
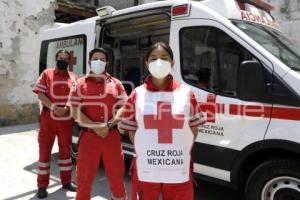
(98, 66)
(160, 68)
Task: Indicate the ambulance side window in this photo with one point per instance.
(210, 59)
(76, 45)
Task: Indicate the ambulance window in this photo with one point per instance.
(76, 45)
(131, 73)
(210, 59)
(109, 67)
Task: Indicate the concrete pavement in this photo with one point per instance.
(18, 168)
(18, 171)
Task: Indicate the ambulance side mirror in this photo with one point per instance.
(250, 81)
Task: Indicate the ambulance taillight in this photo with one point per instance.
(181, 10)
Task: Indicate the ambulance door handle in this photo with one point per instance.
(268, 85)
(268, 88)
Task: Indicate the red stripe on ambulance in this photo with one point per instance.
(265, 111)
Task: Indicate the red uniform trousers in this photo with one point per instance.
(49, 129)
(93, 148)
(151, 191)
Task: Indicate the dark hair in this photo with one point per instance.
(100, 50)
(163, 45)
(62, 51)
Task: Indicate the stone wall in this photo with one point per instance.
(146, 1)
(20, 24)
(21, 21)
(117, 4)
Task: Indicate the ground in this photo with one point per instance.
(18, 169)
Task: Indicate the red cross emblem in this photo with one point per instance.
(164, 122)
(73, 61)
(212, 108)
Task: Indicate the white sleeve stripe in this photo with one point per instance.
(41, 85)
(39, 90)
(193, 119)
(197, 116)
(37, 86)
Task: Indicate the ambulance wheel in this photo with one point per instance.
(277, 179)
(74, 151)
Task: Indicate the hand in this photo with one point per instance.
(102, 130)
(60, 111)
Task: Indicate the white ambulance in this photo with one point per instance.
(244, 71)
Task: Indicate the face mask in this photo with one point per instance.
(160, 68)
(98, 66)
(62, 65)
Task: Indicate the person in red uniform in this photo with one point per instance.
(53, 87)
(96, 103)
(162, 117)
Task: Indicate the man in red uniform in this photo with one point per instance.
(52, 88)
(95, 103)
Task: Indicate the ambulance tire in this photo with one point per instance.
(277, 179)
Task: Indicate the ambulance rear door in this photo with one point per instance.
(78, 38)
